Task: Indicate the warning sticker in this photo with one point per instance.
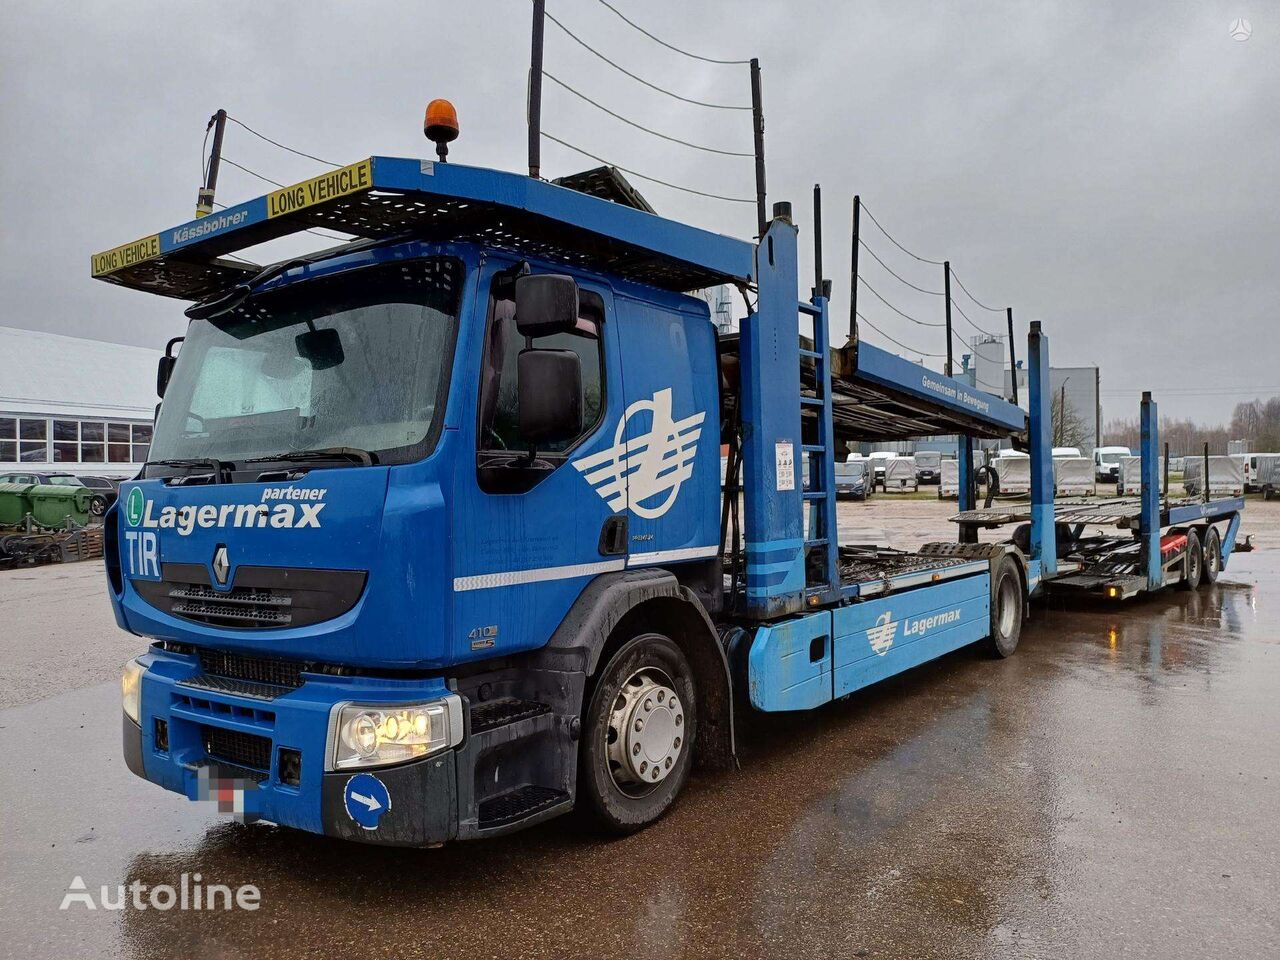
(126, 255)
(329, 186)
(785, 464)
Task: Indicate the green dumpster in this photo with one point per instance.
(14, 503)
(51, 505)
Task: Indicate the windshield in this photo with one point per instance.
(357, 360)
(850, 469)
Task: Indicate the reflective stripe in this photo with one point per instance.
(484, 581)
(666, 556)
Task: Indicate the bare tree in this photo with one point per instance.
(1069, 429)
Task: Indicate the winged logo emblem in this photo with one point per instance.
(644, 473)
(881, 635)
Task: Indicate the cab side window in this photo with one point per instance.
(505, 463)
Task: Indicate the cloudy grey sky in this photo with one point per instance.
(1108, 168)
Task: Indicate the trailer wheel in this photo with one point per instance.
(1008, 604)
(1192, 563)
(1212, 560)
(637, 748)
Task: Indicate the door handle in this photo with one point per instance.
(613, 535)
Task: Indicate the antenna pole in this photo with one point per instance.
(535, 90)
(757, 115)
(946, 285)
(204, 199)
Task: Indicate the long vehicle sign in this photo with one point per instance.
(345, 181)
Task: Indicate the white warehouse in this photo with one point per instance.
(72, 405)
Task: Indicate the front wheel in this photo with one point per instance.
(98, 506)
(1007, 606)
(637, 748)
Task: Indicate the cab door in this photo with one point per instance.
(529, 532)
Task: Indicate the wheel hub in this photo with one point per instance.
(646, 730)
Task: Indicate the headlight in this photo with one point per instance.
(374, 735)
(131, 689)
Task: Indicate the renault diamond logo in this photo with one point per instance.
(644, 473)
(881, 635)
(221, 565)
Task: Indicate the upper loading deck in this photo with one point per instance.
(876, 395)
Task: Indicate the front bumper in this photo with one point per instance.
(180, 722)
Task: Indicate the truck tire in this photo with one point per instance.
(1212, 550)
(1192, 563)
(639, 731)
(1008, 604)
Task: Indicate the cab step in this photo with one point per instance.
(519, 805)
(492, 714)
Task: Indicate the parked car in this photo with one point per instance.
(928, 466)
(105, 490)
(1106, 463)
(851, 479)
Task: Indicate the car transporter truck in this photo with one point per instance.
(432, 545)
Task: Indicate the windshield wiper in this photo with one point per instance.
(224, 300)
(218, 468)
(355, 455)
(227, 300)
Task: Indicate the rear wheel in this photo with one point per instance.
(1192, 563)
(1212, 560)
(637, 748)
(1007, 606)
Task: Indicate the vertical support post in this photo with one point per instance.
(1044, 534)
(1165, 482)
(1013, 357)
(1149, 518)
(535, 90)
(1097, 406)
(967, 487)
(757, 116)
(1204, 494)
(771, 443)
(946, 286)
(853, 269)
(204, 199)
(817, 243)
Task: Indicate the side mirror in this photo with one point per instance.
(320, 348)
(546, 303)
(550, 389)
(164, 370)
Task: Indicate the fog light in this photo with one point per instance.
(290, 766)
(161, 738)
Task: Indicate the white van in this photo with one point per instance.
(1106, 463)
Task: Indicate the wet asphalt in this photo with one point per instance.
(1112, 790)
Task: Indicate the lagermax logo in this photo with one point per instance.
(644, 473)
(881, 635)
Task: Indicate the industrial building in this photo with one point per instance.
(74, 405)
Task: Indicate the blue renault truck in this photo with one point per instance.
(431, 544)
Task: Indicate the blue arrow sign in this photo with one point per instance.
(366, 799)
